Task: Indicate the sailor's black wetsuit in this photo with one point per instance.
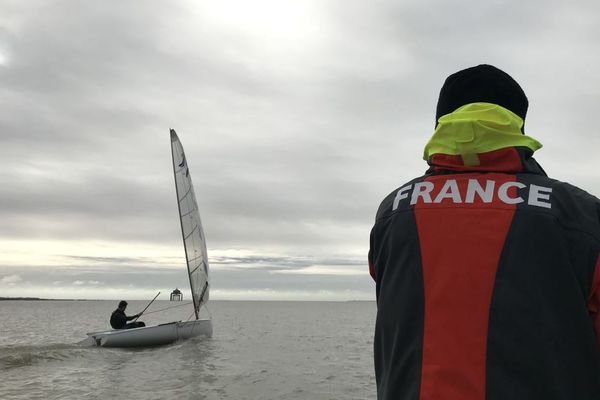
(118, 320)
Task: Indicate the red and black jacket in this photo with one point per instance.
(488, 284)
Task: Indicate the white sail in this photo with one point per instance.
(191, 226)
(197, 264)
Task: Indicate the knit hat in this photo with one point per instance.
(481, 84)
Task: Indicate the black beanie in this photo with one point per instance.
(481, 84)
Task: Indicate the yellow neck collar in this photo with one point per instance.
(478, 128)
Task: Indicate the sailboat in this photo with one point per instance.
(194, 245)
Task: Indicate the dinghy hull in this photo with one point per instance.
(152, 335)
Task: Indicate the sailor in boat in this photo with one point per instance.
(118, 319)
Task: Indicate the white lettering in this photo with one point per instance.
(474, 191)
(503, 193)
(486, 195)
(537, 194)
(422, 189)
(449, 191)
(401, 195)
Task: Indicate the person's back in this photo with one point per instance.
(487, 271)
(118, 318)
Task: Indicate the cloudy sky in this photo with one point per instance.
(297, 118)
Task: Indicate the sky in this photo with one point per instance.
(297, 118)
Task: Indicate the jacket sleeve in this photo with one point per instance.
(370, 258)
(594, 300)
(372, 268)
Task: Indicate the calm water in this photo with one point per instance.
(259, 350)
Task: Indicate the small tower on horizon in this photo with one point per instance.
(176, 295)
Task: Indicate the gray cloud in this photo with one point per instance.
(293, 136)
(228, 274)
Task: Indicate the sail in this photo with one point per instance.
(191, 226)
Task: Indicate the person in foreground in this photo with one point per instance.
(118, 319)
(487, 271)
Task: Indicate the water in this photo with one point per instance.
(259, 350)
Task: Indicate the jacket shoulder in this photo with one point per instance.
(574, 207)
(386, 208)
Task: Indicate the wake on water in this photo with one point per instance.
(21, 356)
(15, 356)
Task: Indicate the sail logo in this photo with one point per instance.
(184, 164)
(510, 193)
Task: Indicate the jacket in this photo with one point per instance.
(487, 272)
(118, 319)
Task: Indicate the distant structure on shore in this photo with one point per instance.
(176, 295)
(20, 298)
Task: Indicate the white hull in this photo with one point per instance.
(152, 335)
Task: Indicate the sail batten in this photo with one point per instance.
(195, 268)
(191, 232)
(185, 195)
(194, 245)
(188, 213)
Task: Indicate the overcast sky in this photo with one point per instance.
(297, 118)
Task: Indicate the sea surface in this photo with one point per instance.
(259, 350)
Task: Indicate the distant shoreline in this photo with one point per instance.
(37, 299)
(223, 300)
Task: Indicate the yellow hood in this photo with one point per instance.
(478, 128)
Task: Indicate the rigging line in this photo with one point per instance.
(190, 317)
(190, 234)
(168, 308)
(207, 310)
